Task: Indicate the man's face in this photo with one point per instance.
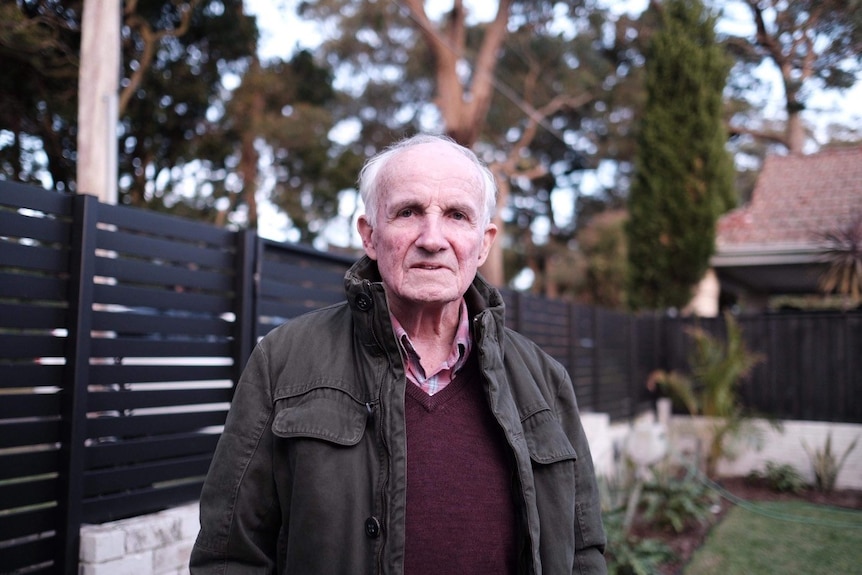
(430, 236)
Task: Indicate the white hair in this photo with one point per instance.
(370, 181)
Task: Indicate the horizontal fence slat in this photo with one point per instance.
(164, 250)
(34, 258)
(29, 316)
(22, 464)
(27, 522)
(144, 347)
(28, 492)
(26, 346)
(20, 405)
(30, 375)
(43, 229)
(131, 477)
(312, 294)
(26, 555)
(122, 374)
(30, 197)
(33, 287)
(150, 449)
(27, 433)
(152, 425)
(112, 507)
(148, 272)
(123, 400)
(141, 298)
(138, 323)
(308, 275)
(128, 218)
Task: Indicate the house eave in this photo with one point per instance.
(769, 269)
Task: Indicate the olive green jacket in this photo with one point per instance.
(309, 474)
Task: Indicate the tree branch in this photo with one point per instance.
(151, 40)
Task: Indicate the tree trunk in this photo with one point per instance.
(464, 113)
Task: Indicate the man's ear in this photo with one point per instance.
(366, 232)
(487, 241)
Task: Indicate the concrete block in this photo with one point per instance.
(133, 564)
(169, 559)
(101, 543)
(149, 532)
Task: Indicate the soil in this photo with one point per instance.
(685, 544)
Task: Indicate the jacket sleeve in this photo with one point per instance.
(590, 539)
(239, 511)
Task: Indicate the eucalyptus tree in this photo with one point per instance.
(814, 45)
(39, 48)
(175, 56)
(529, 88)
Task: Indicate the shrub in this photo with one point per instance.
(628, 554)
(782, 478)
(677, 502)
(825, 464)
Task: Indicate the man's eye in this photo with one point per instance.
(459, 216)
(405, 213)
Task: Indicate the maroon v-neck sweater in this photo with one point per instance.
(460, 516)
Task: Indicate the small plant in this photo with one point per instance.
(677, 502)
(826, 465)
(627, 554)
(780, 477)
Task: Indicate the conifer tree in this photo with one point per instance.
(683, 174)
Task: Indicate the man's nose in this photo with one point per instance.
(431, 235)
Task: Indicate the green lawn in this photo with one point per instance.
(782, 538)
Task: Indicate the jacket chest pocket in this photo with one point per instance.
(546, 440)
(324, 413)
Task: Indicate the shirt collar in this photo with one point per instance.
(461, 346)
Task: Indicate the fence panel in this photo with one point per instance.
(35, 235)
(162, 359)
(293, 280)
(615, 391)
(809, 368)
(547, 324)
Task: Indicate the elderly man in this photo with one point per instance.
(405, 430)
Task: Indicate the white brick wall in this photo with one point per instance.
(785, 446)
(157, 544)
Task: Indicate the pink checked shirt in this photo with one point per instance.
(435, 381)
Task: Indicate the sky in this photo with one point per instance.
(282, 32)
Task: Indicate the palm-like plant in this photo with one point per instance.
(842, 252)
(717, 368)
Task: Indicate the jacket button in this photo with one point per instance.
(372, 527)
(363, 302)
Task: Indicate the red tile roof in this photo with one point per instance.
(795, 198)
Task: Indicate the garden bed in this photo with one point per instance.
(686, 543)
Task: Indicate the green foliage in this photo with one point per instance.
(678, 502)
(603, 244)
(627, 554)
(716, 370)
(166, 121)
(826, 464)
(683, 175)
(780, 477)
